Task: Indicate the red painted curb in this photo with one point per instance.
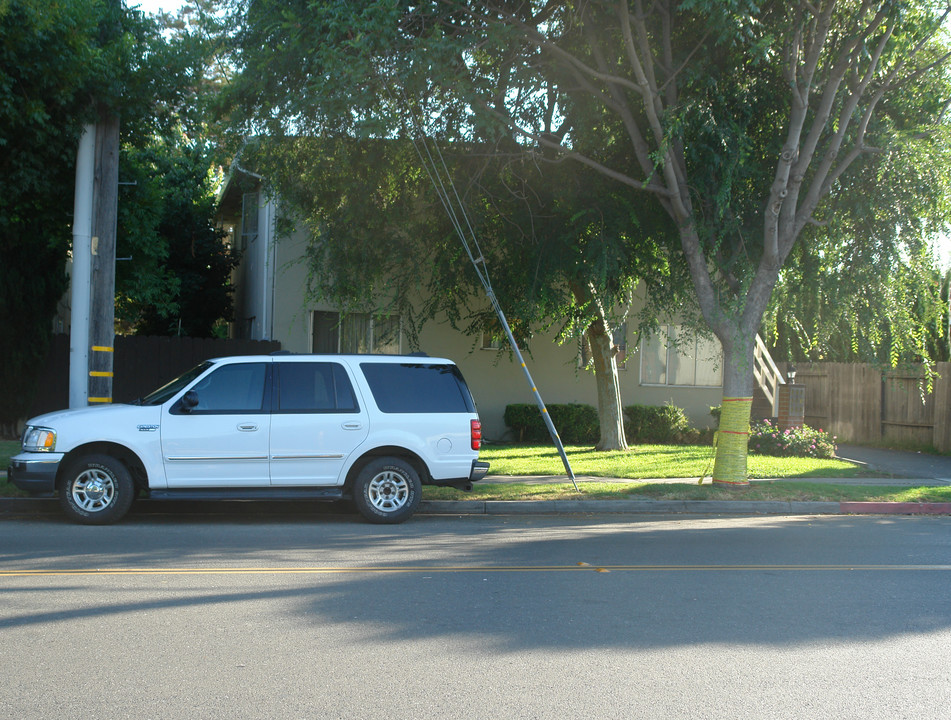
(895, 508)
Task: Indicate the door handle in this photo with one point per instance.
(352, 426)
(247, 427)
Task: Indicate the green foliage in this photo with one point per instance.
(576, 423)
(657, 424)
(50, 62)
(744, 122)
(769, 439)
(61, 63)
(177, 280)
(865, 287)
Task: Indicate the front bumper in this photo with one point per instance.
(34, 472)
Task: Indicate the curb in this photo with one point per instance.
(625, 507)
(896, 508)
(610, 507)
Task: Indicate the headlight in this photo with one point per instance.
(39, 439)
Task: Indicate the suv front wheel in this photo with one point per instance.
(387, 490)
(96, 490)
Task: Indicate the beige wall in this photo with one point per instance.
(495, 379)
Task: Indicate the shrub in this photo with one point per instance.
(657, 424)
(577, 424)
(769, 439)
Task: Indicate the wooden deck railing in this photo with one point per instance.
(766, 373)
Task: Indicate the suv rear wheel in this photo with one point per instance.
(96, 490)
(387, 490)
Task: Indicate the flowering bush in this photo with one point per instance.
(769, 439)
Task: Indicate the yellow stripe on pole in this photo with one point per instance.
(100, 399)
(102, 348)
(100, 373)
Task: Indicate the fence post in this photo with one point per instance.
(942, 408)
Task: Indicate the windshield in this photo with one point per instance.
(168, 390)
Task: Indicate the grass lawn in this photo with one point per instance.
(8, 448)
(651, 461)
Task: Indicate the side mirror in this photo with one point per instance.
(189, 401)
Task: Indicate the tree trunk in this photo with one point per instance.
(730, 462)
(610, 412)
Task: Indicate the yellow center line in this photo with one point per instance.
(581, 567)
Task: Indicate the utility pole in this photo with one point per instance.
(103, 294)
(81, 269)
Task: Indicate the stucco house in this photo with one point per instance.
(271, 304)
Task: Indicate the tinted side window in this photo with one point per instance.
(418, 388)
(313, 388)
(232, 388)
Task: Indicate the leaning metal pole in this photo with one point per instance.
(556, 438)
(431, 167)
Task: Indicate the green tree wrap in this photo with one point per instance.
(732, 441)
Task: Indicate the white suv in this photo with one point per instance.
(373, 428)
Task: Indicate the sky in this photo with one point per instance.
(154, 6)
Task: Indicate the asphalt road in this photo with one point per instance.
(258, 614)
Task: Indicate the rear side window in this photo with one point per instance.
(418, 388)
(314, 388)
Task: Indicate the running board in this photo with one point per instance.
(250, 493)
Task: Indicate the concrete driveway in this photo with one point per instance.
(900, 463)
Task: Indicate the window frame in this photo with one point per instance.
(178, 407)
(664, 336)
(338, 373)
(250, 217)
(372, 325)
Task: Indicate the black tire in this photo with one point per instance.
(96, 490)
(387, 490)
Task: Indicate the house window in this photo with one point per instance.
(491, 341)
(677, 357)
(249, 219)
(618, 337)
(354, 333)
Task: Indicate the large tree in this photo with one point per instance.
(174, 272)
(564, 249)
(60, 61)
(741, 121)
(876, 293)
(174, 275)
(51, 63)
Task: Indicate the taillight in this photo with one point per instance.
(476, 434)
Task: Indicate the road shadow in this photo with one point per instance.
(517, 583)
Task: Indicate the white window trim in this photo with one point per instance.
(665, 334)
(249, 234)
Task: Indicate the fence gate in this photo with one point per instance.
(858, 403)
(908, 410)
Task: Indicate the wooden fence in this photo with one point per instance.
(141, 364)
(862, 404)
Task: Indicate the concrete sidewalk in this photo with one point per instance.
(870, 481)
